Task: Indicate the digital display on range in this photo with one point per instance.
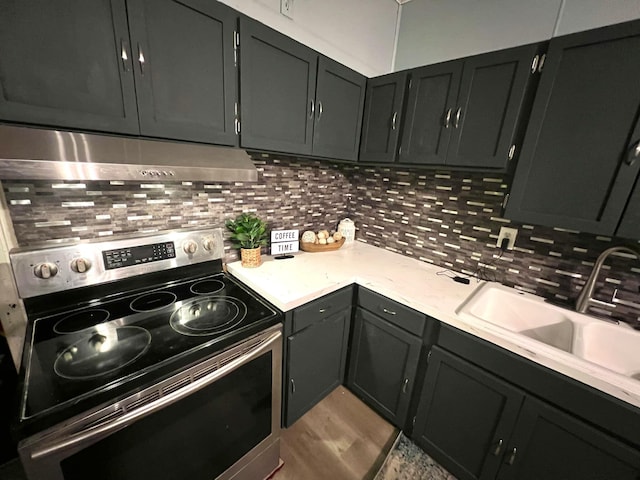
(126, 257)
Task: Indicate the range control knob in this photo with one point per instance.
(209, 244)
(80, 264)
(45, 270)
(189, 247)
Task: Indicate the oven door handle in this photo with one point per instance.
(104, 429)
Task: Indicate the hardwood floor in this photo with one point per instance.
(340, 438)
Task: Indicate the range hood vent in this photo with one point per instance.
(38, 154)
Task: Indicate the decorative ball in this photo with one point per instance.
(308, 237)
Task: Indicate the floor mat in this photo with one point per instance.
(407, 461)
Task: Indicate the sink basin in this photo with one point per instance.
(585, 338)
(522, 313)
(612, 346)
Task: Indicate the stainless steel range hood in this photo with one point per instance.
(34, 154)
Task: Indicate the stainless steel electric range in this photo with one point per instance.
(144, 360)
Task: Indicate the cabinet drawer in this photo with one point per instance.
(321, 308)
(393, 312)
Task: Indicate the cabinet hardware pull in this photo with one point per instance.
(512, 457)
(534, 64)
(541, 63)
(393, 120)
(141, 60)
(236, 42)
(505, 201)
(456, 123)
(293, 386)
(313, 109)
(322, 310)
(124, 55)
(498, 448)
(237, 126)
(512, 152)
(390, 312)
(447, 119)
(319, 110)
(404, 385)
(630, 160)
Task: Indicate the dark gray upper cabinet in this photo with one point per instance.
(67, 64)
(428, 123)
(382, 116)
(277, 90)
(491, 99)
(184, 68)
(169, 72)
(382, 366)
(577, 167)
(339, 104)
(630, 224)
(281, 108)
(467, 113)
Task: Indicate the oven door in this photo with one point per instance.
(217, 420)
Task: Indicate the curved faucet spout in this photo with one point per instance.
(584, 299)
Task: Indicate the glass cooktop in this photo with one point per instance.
(110, 343)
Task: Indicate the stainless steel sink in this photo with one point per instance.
(608, 345)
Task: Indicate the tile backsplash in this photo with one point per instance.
(450, 219)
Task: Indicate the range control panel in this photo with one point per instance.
(125, 257)
(47, 270)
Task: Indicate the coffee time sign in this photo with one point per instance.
(284, 242)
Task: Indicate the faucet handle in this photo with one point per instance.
(619, 301)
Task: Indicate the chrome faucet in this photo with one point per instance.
(584, 299)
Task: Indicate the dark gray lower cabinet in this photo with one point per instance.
(465, 416)
(552, 445)
(316, 352)
(316, 363)
(382, 366)
(481, 427)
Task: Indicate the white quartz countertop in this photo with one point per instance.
(289, 283)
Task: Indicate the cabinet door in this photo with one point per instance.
(67, 64)
(383, 364)
(277, 86)
(339, 104)
(184, 67)
(381, 121)
(429, 121)
(465, 416)
(316, 362)
(492, 92)
(630, 224)
(573, 170)
(552, 445)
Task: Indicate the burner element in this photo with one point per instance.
(81, 320)
(152, 301)
(207, 287)
(208, 316)
(107, 349)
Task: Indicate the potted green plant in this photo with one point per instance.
(249, 234)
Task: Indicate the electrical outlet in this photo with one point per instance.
(286, 8)
(510, 234)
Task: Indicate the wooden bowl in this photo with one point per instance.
(316, 247)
